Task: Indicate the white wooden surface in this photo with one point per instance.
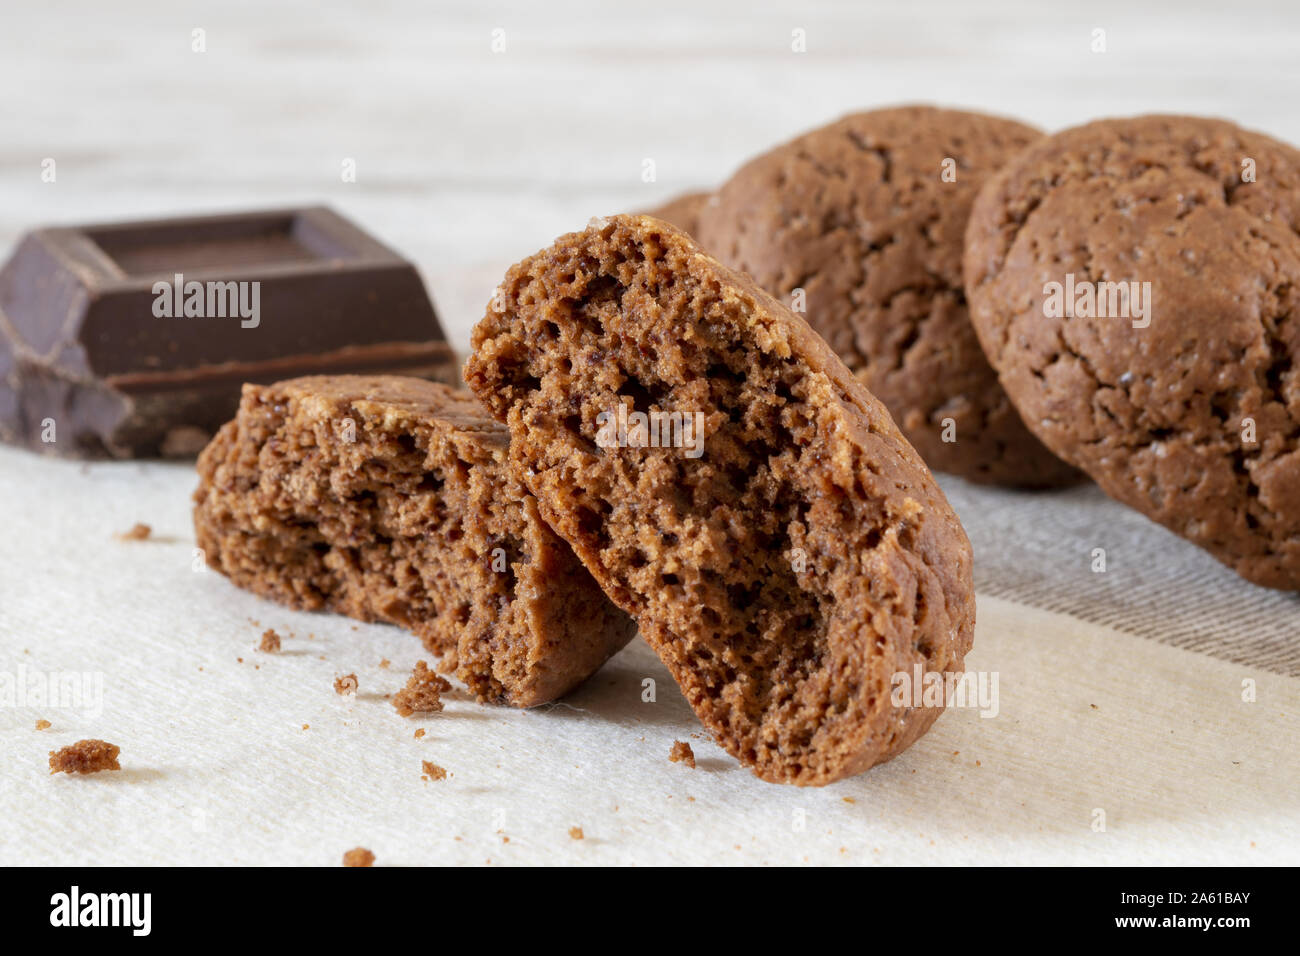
(467, 160)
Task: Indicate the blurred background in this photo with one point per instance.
(479, 131)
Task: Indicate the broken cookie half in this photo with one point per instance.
(730, 483)
(388, 499)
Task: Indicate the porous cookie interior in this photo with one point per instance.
(750, 569)
(384, 510)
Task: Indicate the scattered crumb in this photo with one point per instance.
(138, 532)
(385, 663)
(419, 733)
(359, 856)
(977, 763)
(576, 833)
(422, 693)
(1093, 706)
(306, 726)
(270, 642)
(43, 724)
(849, 800)
(682, 753)
(239, 660)
(432, 771)
(85, 756)
(347, 684)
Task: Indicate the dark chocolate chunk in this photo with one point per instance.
(132, 340)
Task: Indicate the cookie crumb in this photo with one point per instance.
(422, 693)
(432, 771)
(347, 684)
(85, 756)
(682, 753)
(270, 642)
(43, 724)
(384, 663)
(576, 833)
(359, 856)
(138, 532)
(419, 733)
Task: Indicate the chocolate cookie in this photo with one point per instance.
(782, 547)
(865, 217)
(684, 211)
(389, 499)
(1136, 283)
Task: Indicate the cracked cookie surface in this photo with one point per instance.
(1160, 416)
(859, 216)
(388, 499)
(786, 573)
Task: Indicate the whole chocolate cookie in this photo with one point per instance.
(783, 548)
(1136, 283)
(866, 217)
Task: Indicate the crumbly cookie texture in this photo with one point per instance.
(789, 571)
(358, 856)
(681, 752)
(861, 216)
(388, 499)
(85, 756)
(422, 693)
(684, 211)
(1191, 413)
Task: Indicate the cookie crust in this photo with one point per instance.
(1158, 415)
(684, 211)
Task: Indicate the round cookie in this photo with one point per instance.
(866, 216)
(1180, 397)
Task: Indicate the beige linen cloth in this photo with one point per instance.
(1145, 714)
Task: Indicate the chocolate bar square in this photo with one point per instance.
(133, 339)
